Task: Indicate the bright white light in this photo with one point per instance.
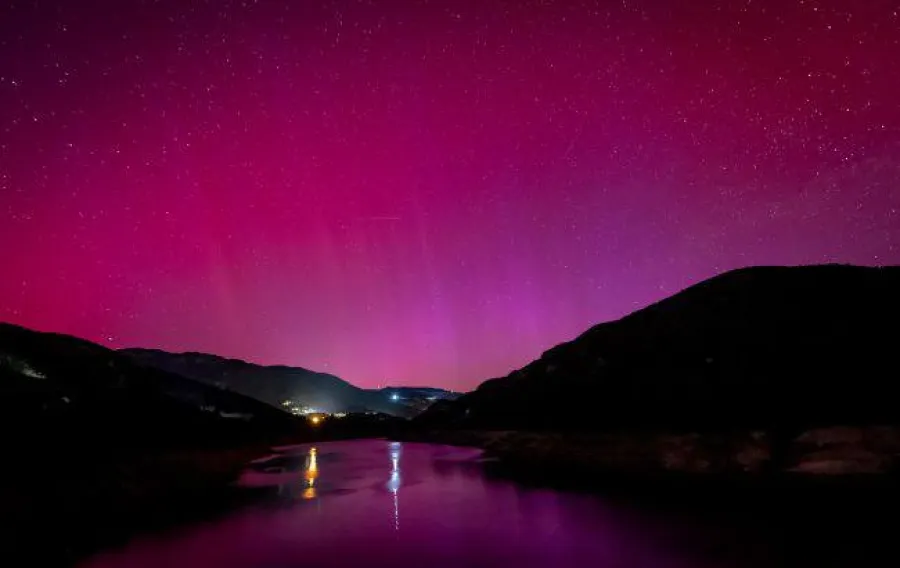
(395, 397)
(394, 482)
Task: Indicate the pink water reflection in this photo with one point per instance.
(377, 503)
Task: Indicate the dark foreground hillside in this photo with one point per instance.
(57, 388)
(760, 361)
(99, 447)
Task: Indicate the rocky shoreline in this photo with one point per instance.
(838, 451)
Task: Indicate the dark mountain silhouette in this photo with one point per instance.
(62, 388)
(274, 384)
(770, 347)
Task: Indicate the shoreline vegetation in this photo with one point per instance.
(836, 453)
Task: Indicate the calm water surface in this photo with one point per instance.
(379, 503)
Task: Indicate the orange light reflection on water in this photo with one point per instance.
(310, 474)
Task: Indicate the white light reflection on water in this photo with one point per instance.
(395, 450)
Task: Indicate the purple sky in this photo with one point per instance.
(428, 192)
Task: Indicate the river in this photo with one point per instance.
(377, 503)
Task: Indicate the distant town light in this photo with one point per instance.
(316, 420)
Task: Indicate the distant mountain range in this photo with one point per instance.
(769, 347)
(291, 387)
(62, 389)
(417, 398)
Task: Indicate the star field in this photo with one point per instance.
(428, 192)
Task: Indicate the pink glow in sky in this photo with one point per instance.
(427, 192)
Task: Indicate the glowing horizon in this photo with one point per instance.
(428, 194)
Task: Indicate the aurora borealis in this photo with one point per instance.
(428, 192)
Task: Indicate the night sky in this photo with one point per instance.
(428, 192)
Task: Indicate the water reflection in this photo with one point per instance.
(395, 449)
(311, 473)
(457, 515)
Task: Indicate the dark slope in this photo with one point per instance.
(756, 347)
(272, 384)
(100, 448)
(61, 388)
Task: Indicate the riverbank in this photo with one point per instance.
(67, 495)
(61, 507)
(838, 452)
